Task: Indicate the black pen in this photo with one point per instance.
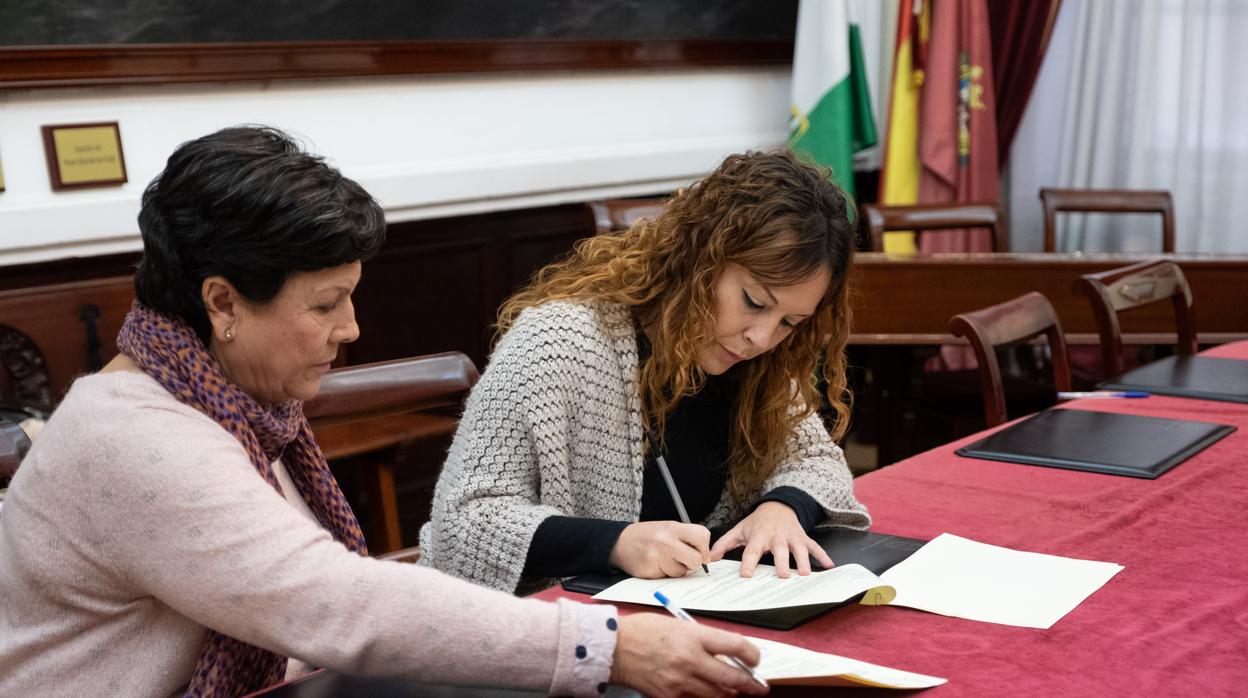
(671, 484)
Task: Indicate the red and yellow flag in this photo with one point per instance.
(941, 144)
(958, 120)
(899, 174)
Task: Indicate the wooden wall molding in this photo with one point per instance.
(27, 67)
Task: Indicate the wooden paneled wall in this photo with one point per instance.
(437, 284)
(434, 287)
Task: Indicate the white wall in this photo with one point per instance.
(426, 147)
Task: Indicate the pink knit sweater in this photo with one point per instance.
(136, 522)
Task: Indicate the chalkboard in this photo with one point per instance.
(127, 22)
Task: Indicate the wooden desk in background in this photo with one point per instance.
(902, 306)
(896, 300)
(908, 300)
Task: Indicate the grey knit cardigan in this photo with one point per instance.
(554, 428)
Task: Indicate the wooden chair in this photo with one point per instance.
(923, 217)
(617, 214)
(375, 408)
(13, 447)
(1005, 325)
(1111, 292)
(1107, 201)
(24, 383)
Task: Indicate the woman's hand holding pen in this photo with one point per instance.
(662, 656)
(654, 549)
(771, 528)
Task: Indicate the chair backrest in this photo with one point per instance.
(1107, 201)
(364, 409)
(24, 381)
(13, 447)
(1004, 325)
(617, 214)
(920, 217)
(10, 456)
(1116, 290)
(402, 385)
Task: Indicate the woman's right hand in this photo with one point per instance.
(661, 656)
(655, 549)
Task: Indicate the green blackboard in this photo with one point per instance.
(92, 22)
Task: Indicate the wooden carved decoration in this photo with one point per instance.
(28, 385)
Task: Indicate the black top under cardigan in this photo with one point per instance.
(696, 446)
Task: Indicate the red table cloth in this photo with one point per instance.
(1173, 622)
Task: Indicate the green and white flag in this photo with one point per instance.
(831, 111)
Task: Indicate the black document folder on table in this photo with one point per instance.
(1098, 442)
(1189, 376)
(874, 551)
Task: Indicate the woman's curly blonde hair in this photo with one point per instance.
(781, 219)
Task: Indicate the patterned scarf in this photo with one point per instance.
(170, 352)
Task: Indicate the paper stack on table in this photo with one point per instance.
(786, 665)
(954, 576)
(950, 575)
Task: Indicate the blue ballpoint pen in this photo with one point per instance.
(683, 615)
(1100, 394)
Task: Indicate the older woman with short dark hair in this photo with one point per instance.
(176, 529)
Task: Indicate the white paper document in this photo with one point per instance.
(783, 664)
(954, 576)
(950, 575)
(724, 589)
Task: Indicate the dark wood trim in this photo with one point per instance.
(147, 64)
(63, 271)
(909, 300)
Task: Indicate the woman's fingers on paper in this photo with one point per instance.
(698, 537)
(780, 555)
(723, 678)
(749, 558)
(729, 644)
(673, 567)
(729, 541)
(801, 556)
(691, 558)
(821, 556)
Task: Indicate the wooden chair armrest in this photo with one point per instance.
(409, 555)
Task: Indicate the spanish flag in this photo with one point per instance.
(901, 171)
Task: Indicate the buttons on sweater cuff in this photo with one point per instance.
(594, 650)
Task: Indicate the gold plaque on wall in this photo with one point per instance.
(84, 155)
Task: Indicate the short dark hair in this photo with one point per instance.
(247, 203)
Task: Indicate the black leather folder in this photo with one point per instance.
(1189, 376)
(1098, 442)
(874, 551)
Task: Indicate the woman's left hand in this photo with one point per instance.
(771, 528)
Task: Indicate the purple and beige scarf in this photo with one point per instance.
(170, 352)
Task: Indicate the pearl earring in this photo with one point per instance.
(229, 334)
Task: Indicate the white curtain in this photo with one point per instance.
(877, 24)
(1146, 94)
